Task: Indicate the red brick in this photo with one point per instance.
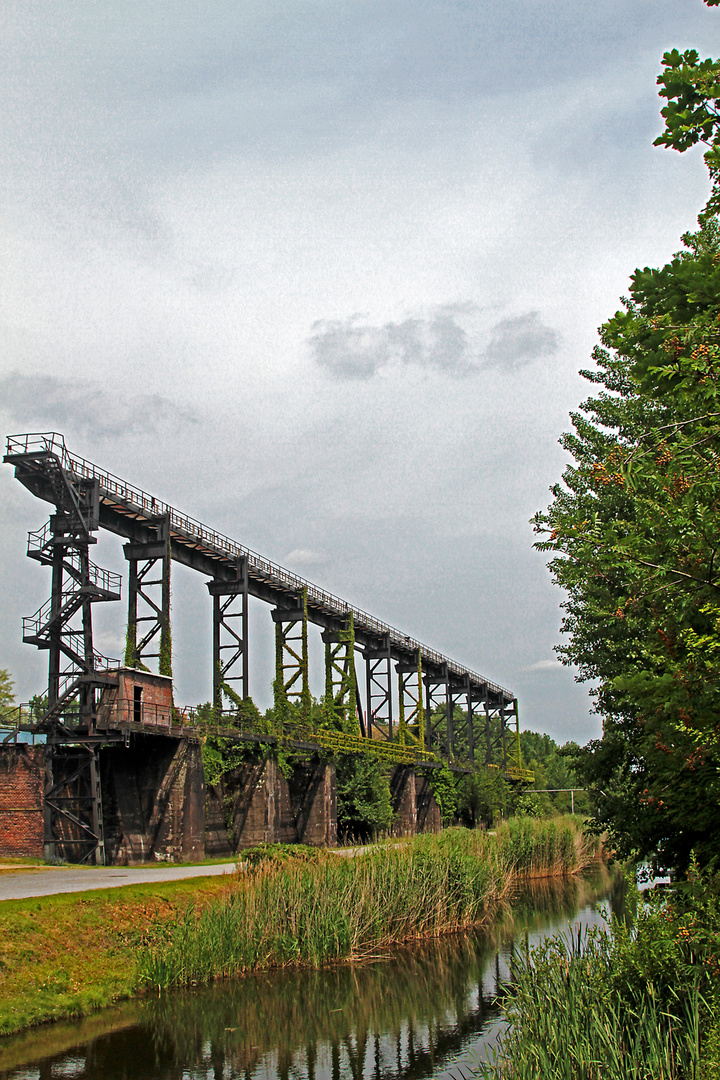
(22, 770)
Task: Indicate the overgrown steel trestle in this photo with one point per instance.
(431, 688)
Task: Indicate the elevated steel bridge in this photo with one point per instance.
(440, 709)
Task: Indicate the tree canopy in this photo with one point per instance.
(7, 698)
(634, 528)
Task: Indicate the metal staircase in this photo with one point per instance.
(62, 626)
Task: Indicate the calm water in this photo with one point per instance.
(424, 1011)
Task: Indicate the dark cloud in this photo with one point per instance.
(84, 407)
(352, 349)
(517, 341)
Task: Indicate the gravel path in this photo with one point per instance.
(20, 884)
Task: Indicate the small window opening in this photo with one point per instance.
(137, 704)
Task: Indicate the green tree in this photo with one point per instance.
(7, 696)
(364, 799)
(635, 529)
(481, 797)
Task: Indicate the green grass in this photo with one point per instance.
(323, 910)
(66, 955)
(69, 954)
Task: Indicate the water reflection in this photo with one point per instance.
(410, 1014)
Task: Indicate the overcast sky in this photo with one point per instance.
(322, 274)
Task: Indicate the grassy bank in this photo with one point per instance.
(65, 956)
(640, 1004)
(329, 910)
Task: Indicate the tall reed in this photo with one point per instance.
(330, 909)
(568, 1022)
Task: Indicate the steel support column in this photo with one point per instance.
(378, 690)
(411, 711)
(342, 699)
(436, 702)
(230, 637)
(454, 691)
(292, 687)
(495, 732)
(476, 697)
(148, 629)
(511, 729)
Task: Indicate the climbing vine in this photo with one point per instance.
(165, 658)
(339, 708)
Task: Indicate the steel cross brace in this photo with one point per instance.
(342, 697)
(292, 686)
(378, 690)
(80, 807)
(411, 721)
(230, 636)
(142, 558)
(437, 704)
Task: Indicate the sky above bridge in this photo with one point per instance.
(322, 274)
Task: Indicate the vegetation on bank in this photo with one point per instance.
(633, 530)
(66, 955)
(641, 1002)
(236, 1024)
(69, 954)
(326, 909)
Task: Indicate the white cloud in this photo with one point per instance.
(545, 665)
(302, 557)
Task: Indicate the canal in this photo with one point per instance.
(428, 1010)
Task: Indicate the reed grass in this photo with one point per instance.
(568, 1022)
(300, 912)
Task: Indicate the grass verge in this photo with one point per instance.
(66, 955)
(634, 1003)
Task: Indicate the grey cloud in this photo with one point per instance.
(515, 342)
(84, 407)
(351, 349)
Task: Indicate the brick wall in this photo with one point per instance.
(21, 800)
(118, 704)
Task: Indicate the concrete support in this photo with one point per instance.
(154, 800)
(255, 804)
(413, 801)
(429, 818)
(404, 800)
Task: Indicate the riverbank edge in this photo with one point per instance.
(66, 956)
(648, 987)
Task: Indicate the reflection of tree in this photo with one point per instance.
(403, 1016)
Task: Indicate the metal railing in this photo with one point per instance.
(125, 711)
(98, 577)
(217, 544)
